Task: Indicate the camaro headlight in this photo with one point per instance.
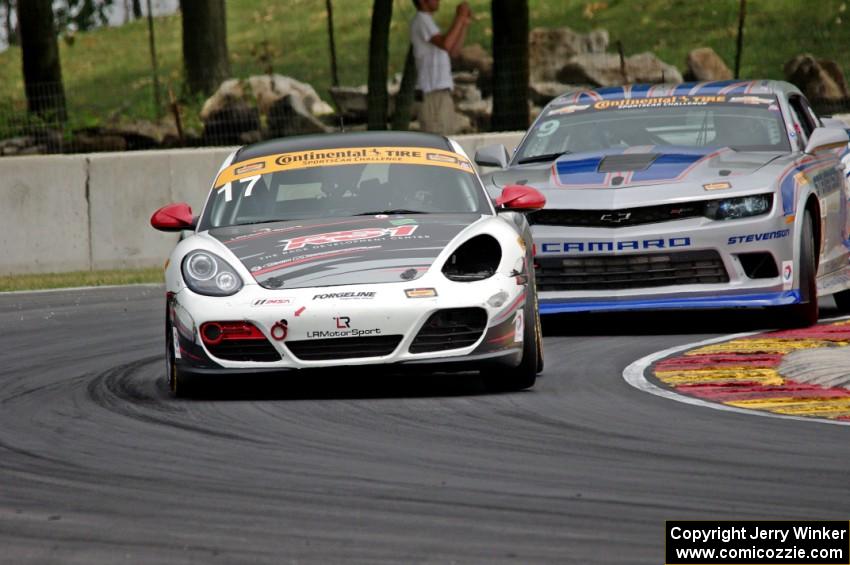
(742, 207)
(207, 273)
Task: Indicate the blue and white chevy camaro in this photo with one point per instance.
(698, 195)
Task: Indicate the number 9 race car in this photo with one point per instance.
(700, 195)
(352, 249)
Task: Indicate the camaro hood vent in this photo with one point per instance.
(340, 251)
(626, 162)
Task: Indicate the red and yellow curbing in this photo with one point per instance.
(744, 373)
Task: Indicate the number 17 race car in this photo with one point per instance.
(352, 249)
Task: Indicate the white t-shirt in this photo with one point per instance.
(433, 67)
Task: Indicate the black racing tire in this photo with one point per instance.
(805, 313)
(538, 329)
(842, 301)
(524, 375)
(181, 384)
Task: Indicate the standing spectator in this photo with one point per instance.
(432, 51)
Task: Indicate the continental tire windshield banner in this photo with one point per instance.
(767, 542)
(563, 108)
(343, 156)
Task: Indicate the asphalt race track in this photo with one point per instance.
(100, 464)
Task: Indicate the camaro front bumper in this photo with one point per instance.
(691, 264)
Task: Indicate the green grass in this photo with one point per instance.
(107, 71)
(81, 278)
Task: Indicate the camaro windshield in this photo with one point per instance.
(329, 187)
(744, 123)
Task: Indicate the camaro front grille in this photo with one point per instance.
(617, 218)
(343, 347)
(610, 272)
(452, 328)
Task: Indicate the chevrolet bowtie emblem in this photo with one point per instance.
(616, 218)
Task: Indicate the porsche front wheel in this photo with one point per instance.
(525, 374)
(180, 384)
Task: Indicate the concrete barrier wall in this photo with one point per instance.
(89, 212)
(44, 211)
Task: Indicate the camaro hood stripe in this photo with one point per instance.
(672, 164)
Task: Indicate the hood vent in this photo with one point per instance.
(626, 162)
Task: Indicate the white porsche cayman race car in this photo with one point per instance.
(723, 194)
(352, 249)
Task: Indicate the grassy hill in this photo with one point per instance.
(107, 71)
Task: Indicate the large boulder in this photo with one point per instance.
(603, 69)
(477, 60)
(289, 116)
(478, 113)
(646, 67)
(353, 101)
(231, 124)
(549, 49)
(142, 134)
(704, 65)
(473, 58)
(94, 140)
(541, 93)
(268, 90)
(819, 79)
(235, 112)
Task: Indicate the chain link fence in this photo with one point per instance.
(289, 88)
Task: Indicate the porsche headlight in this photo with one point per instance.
(207, 273)
(742, 207)
(475, 260)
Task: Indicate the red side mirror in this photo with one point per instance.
(521, 198)
(174, 217)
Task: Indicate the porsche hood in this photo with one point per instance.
(342, 251)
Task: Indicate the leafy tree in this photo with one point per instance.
(40, 54)
(204, 44)
(379, 54)
(510, 65)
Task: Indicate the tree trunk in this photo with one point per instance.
(11, 31)
(331, 42)
(406, 93)
(379, 54)
(137, 9)
(40, 54)
(204, 44)
(510, 65)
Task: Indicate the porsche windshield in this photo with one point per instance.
(744, 123)
(341, 190)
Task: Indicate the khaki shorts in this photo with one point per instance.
(437, 114)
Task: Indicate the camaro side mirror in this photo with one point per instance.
(835, 123)
(826, 138)
(521, 198)
(174, 217)
(492, 156)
